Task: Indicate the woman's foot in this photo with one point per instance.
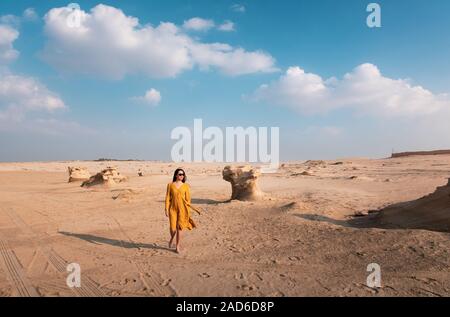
(178, 249)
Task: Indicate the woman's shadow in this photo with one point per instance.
(114, 242)
(203, 201)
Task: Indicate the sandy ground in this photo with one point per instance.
(301, 240)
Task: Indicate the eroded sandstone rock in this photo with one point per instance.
(109, 176)
(78, 174)
(243, 181)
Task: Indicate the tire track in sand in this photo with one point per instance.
(88, 287)
(15, 272)
(151, 279)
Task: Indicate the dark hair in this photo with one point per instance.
(176, 173)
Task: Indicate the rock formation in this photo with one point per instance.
(243, 181)
(431, 212)
(315, 163)
(78, 174)
(109, 176)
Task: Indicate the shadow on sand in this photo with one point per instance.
(319, 218)
(202, 201)
(430, 212)
(374, 221)
(369, 221)
(117, 243)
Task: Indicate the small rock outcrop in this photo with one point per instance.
(243, 181)
(78, 174)
(315, 163)
(109, 176)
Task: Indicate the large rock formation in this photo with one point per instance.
(243, 181)
(109, 176)
(431, 212)
(78, 174)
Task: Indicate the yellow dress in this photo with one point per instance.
(178, 205)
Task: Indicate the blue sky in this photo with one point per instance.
(394, 96)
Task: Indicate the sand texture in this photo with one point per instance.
(313, 233)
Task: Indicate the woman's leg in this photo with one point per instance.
(173, 226)
(178, 239)
(172, 236)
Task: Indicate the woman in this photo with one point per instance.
(178, 205)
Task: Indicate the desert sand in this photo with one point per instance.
(313, 233)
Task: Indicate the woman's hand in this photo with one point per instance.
(167, 214)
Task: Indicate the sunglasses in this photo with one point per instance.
(180, 174)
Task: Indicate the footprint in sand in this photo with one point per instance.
(246, 287)
(204, 275)
(234, 249)
(166, 282)
(259, 277)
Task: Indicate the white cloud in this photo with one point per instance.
(198, 24)
(226, 26)
(7, 37)
(27, 105)
(231, 61)
(364, 90)
(9, 33)
(152, 97)
(238, 8)
(20, 95)
(30, 14)
(112, 45)
(10, 20)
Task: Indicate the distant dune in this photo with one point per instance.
(436, 152)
